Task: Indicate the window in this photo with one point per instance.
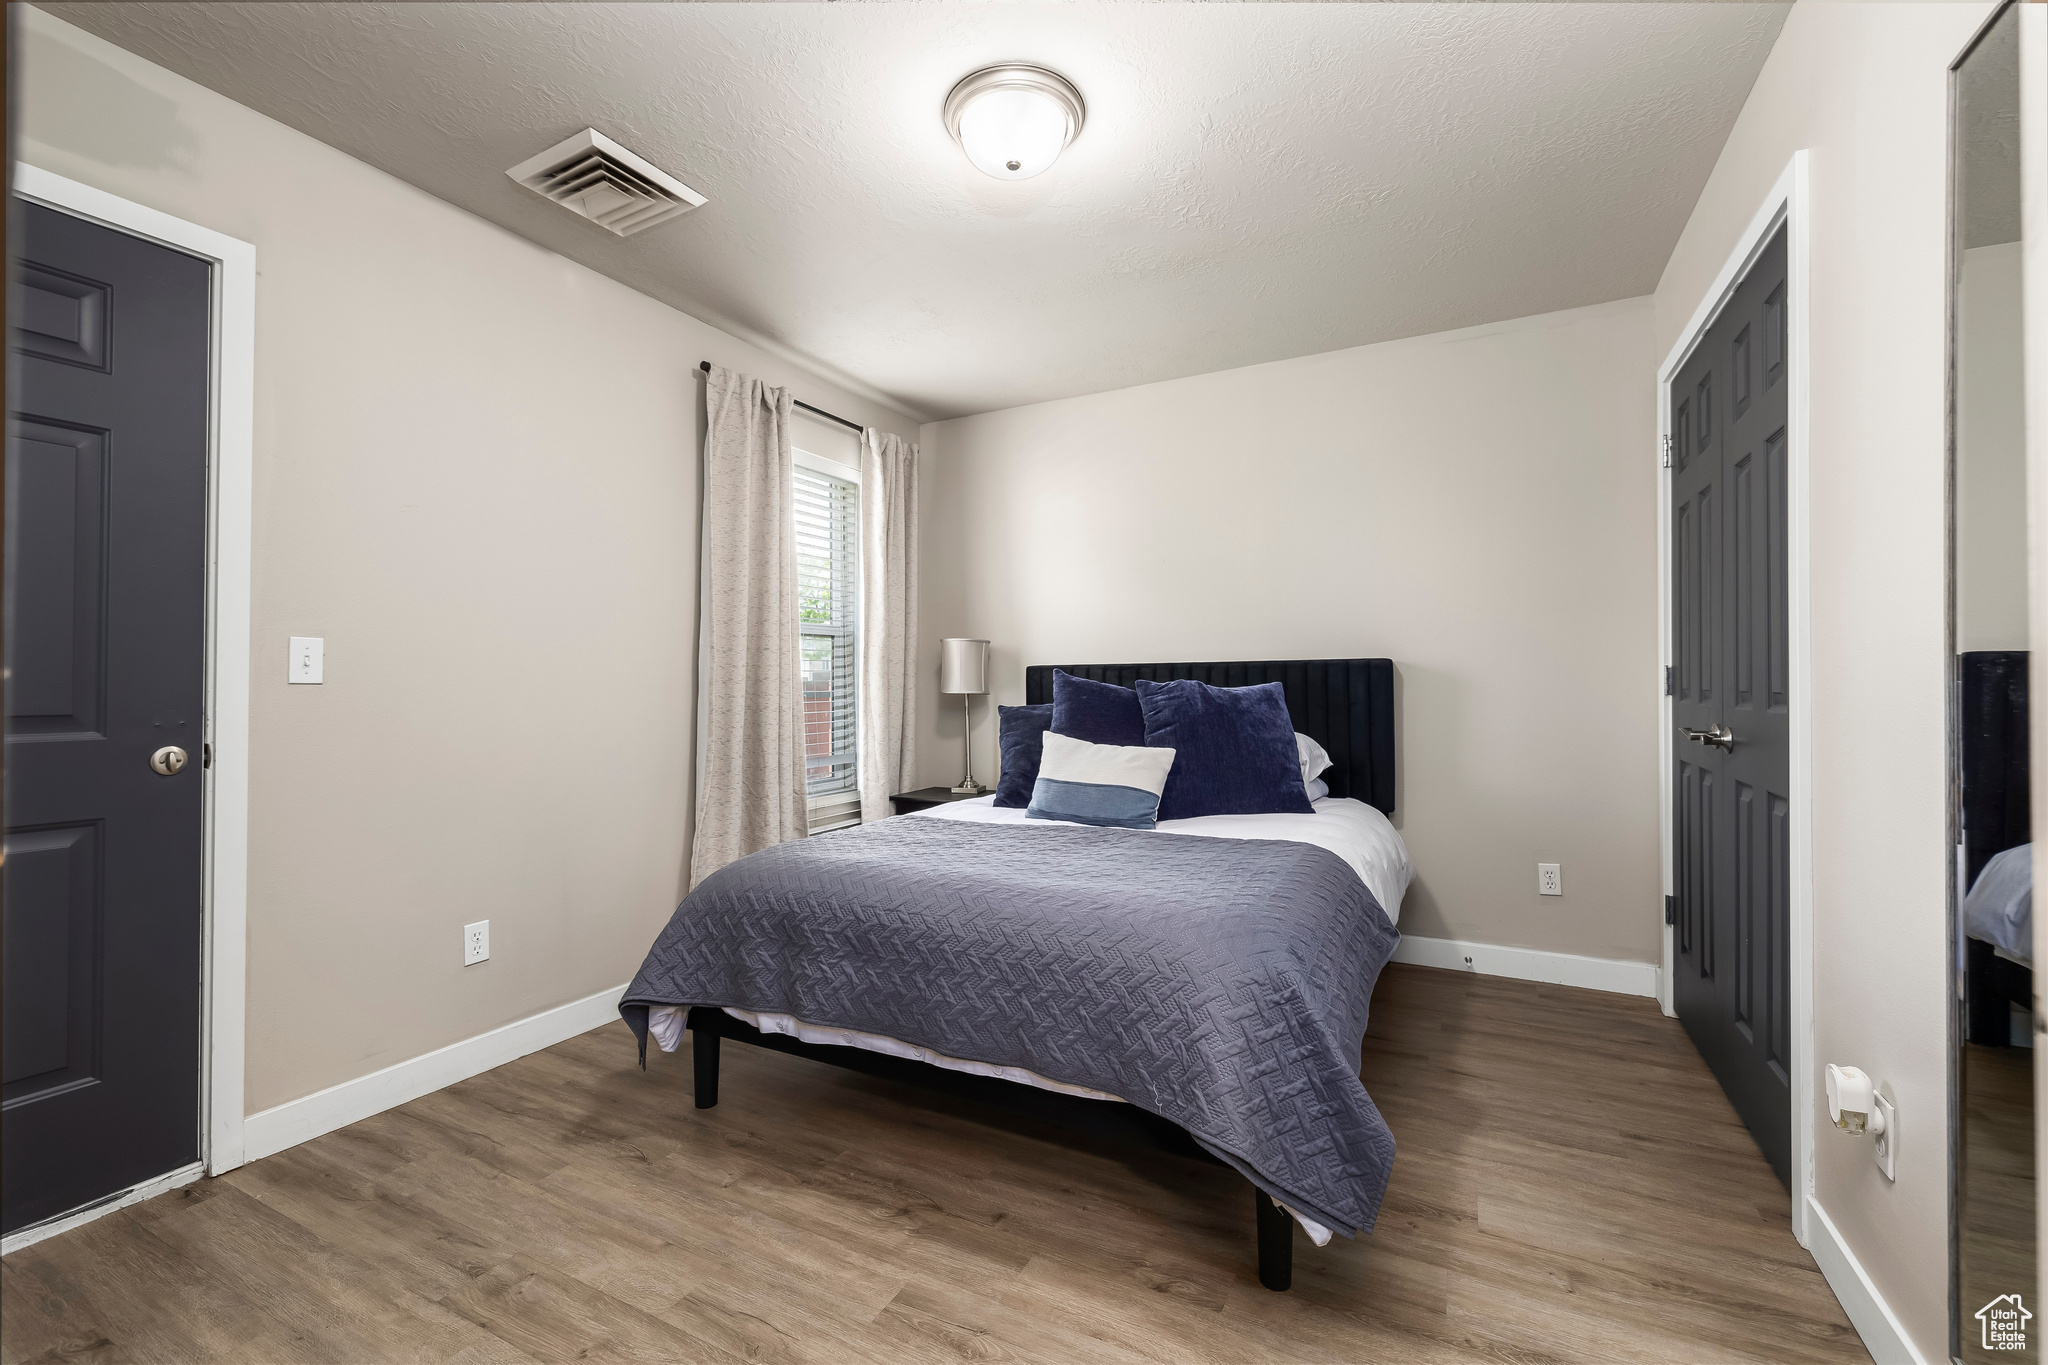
(828, 616)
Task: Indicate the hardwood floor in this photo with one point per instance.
(1998, 1188)
(1571, 1186)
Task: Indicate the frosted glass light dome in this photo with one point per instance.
(1014, 121)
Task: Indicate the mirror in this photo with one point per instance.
(1992, 1114)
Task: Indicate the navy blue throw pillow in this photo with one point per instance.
(1099, 712)
(1234, 749)
(1022, 730)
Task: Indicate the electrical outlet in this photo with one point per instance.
(1550, 879)
(1886, 1147)
(476, 942)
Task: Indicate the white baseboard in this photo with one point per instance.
(1884, 1336)
(1530, 964)
(301, 1120)
(64, 1222)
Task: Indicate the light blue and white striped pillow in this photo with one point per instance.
(1099, 784)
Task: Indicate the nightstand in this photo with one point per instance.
(924, 798)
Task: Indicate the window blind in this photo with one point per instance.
(828, 584)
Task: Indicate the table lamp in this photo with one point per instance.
(963, 668)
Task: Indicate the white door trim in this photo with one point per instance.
(1785, 204)
(230, 441)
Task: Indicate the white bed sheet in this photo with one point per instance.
(667, 1022)
(2000, 907)
(1359, 834)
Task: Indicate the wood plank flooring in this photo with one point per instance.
(1571, 1186)
(1998, 1188)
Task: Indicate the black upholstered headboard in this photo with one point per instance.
(1345, 705)
(1997, 813)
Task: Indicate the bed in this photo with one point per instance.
(1202, 986)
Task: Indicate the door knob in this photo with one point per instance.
(168, 760)
(1720, 737)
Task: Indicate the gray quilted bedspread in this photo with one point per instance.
(1222, 983)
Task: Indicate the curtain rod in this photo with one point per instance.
(705, 366)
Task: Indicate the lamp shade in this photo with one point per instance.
(963, 665)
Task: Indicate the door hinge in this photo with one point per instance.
(1671, 909)
(1664, 455)
(206, 755)
(1668, 689)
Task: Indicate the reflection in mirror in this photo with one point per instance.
(1993, 954)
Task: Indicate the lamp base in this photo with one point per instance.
(967, 786)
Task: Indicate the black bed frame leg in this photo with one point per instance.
(704, 1057)
(1276, 1242)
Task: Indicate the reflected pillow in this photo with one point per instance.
(1022, 735)
(1099, 712)
(1236, 749)
(1099, 784)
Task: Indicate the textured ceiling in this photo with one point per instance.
(1255, 181)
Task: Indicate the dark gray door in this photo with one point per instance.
(1730, 682)
(105, 580)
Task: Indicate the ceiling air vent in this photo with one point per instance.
(592, 175)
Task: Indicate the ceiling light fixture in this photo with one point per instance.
(1013, 120)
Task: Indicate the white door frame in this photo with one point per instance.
(1785, 204)
(225, 783)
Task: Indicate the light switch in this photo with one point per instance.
(308, 659)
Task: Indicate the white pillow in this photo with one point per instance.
(1099, 784)
(1317, 789)
(1314, 757)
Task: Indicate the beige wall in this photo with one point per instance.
(1479, 506)
(1863, 86)
(476, 476)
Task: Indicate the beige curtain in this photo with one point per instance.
(750, 791)
(888, 620)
